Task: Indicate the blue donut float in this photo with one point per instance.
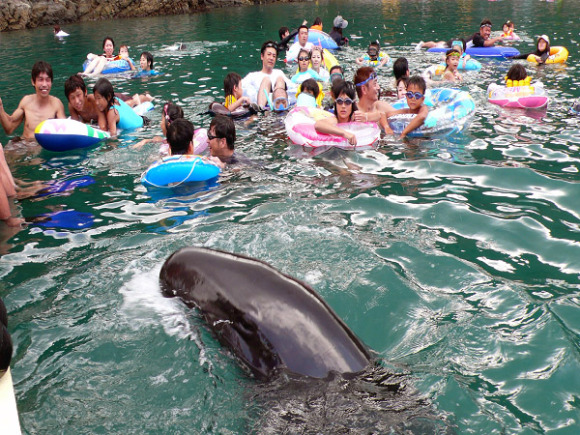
(173, 171)
(452, 111)
(67, 134)
(112, 67)
(497, 51)
(320, 39)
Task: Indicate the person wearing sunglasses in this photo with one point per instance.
(259, 86)
(482, 38)
(415, 99)
(344, 108)
(374, 56)
(221, 138)
(451, 73)
(370, 109)
(301, 44)
(304, 70)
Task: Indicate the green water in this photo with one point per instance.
(457, 261)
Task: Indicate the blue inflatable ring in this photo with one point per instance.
(453, 110)
(173, 171)
(320, 39)
(497, 51)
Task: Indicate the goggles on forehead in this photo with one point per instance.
(455, 53)
(373, 76)
(486, 25)
(336, 76)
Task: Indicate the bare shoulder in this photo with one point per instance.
(27, 100)
(56, 101)
(383, 106)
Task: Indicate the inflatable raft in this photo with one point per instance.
(300, 129)
(452, 111)
(526, 97)
(67, 134)
(320, 38)
(497, 51)
(557, 55)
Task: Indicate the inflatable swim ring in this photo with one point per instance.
(368, 62)
(216, 108)
(557, 55)
(67, 134)
(318, 37)
(173, 171)
(300, 129)
(496, 51)
(112, 67)
(452, 113)
(527, 96)
(329, 59)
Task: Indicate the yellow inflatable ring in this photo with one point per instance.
(557, 55)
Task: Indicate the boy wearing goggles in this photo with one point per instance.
(415, 99)
(374, 57)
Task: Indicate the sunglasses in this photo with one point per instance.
(416, 95)
(302, 59)
(373, 76)
(345, 101)
(212, 137)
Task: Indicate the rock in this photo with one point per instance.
(22, 14)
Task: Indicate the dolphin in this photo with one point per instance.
(269, 320)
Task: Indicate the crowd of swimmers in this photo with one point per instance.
(267, 88)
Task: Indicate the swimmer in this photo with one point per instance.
(374, 57)
(171, 112)
(234, 92)
(344, 109)
(542, 50)
(415, 99)
(34, 108)
(81, 106)
(452, 61)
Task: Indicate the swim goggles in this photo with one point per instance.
(416, 95)
(336, 76)
(345, 101)
(280, 103)
(454, 53)
(486, 25)
(372, 52)
(373, 76)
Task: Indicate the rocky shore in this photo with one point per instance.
(26, 14)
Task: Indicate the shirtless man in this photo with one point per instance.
(370, 109)
(34, 108)
(81, 106)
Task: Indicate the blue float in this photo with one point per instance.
(453, 110)
(112, 67)
(497, 51)
(320, 39)
(174, 171)
(67, 134)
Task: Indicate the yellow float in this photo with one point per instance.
(557, 55)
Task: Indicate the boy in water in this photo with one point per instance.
(180, 137)
(415, 98)
(81, 106)
(34, 108)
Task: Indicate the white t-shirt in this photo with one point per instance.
(292, 53)
(251, 83)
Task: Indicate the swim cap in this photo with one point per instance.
(545, 38)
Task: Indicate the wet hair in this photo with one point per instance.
(485, 22)
(269, 44)
(360, 76)
(148, 57)
(282, 30)
(171, 112)
(375, 44)
(419, 82)
(517, 72)
(404, 80)
(400, 67)
(317, 21)
(108, 38)
(180, 135)
(303, 26)
(73, 83)
(336, 67)
(41, 67)
(56, 28)
(231, 80)
(124, 46)
(224, 127)
(320, 50)
(310, 85)
(5, 341)
(105, 89)
(348, 88)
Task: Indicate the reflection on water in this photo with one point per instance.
(455, 259)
